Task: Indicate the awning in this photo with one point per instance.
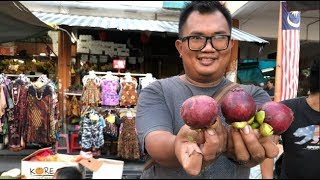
(129, 24)
(17, 22)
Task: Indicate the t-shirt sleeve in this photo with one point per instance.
(152, 112)
(259, 95)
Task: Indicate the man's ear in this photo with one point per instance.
(178, 45)
(231, 43)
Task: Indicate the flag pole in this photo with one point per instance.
(278, 79)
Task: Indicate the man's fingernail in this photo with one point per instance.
(211, 132)
(246, 129)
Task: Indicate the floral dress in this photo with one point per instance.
(109, 92)
(128, 93)
(91, 94)
(128, 144)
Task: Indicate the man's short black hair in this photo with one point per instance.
(69, 172)
(204, 7)
(271, 81)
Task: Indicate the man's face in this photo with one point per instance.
(207, 64)
(270, 84)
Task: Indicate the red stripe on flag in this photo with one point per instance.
(290, 63)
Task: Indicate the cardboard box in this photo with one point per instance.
(104, 168)
(110, 169)
(44, 170)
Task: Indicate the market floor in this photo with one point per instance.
(10, 160)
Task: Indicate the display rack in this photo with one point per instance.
(17, 75)
(119, 74)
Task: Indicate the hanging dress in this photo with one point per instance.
(39, 114)
(109, 92)
(91, 94)
(128, 144)
(128, 93)
(17, 126)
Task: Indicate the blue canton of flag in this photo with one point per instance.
(290, 20)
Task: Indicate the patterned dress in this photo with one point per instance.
(39, 116)
(128, 93)
(17, 126)
(128, 144)
(109, 89)
(91, 94)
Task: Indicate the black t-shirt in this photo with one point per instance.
(270, 91)
(301, 142)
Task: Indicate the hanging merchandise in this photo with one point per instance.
(128, 91)
(72, 71)
(18, 123)
(91, 90)
(111, 129)
(91, 133)
(42, 112)
(109, 89)
(102, 35)
(145, 81)
(145, 37)
(128, 144)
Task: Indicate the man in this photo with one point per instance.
(301, 143)
(204, 45)
(270, 87)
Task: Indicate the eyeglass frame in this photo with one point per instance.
(207, 37)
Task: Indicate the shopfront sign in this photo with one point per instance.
(119, 64)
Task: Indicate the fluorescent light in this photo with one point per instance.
(267, 70)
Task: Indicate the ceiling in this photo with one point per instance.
(261, 19)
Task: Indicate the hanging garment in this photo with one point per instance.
(91, 94)
(40, 116)
(145, 81)
(91, 132)
(128, 93)
(111, 129)
(17, 126)
(109, 92)
(3, 103)
(128, 144)
(74, 107)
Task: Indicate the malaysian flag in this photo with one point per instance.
(290, 51)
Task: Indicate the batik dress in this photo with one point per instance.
(17, 125)
(128, 92)
(128, 144)
(39, 114)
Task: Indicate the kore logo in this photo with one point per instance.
(42, 171)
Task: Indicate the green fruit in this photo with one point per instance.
(255, 125)
(260, 115)
(266, 130)
(239, 125)
(251, 120)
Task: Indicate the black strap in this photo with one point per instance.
(218, 95)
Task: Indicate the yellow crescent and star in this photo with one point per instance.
(294, 13)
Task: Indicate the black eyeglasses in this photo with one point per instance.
(197, 43)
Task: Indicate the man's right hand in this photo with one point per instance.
(195, 149)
